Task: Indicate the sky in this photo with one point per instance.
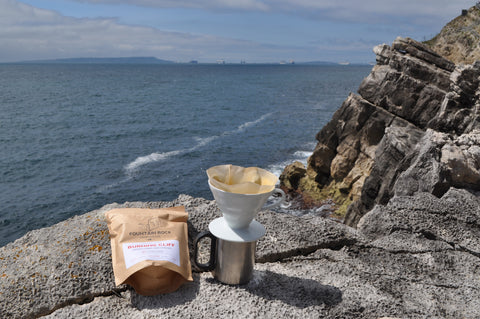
(255, 31)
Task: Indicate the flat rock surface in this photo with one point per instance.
(416, 257)
(70, 262)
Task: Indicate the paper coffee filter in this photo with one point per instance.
(241, 180)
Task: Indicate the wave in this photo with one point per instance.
(201, 141)
(248, 124)
(154, 157)
(300, 156)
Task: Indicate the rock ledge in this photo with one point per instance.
(416, 257)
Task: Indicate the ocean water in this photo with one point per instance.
(75, 137)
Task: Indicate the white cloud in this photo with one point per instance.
(14, 12)
(420, 12)
(198, 4)
(345, 10)
(29, 33)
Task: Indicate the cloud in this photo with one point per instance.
(251, 5)
(29, 33)
(376, 7)
(370, 11)
(13, 12)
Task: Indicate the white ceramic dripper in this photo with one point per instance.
(240, 209)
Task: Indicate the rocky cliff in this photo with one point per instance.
(413, 127)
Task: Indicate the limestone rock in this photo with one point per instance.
(462, 160)
(389, 161)
(375, 146)
(425, 172)
(405, 151)
(460, 111)
(347, 145)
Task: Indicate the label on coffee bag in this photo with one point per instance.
(166, 250)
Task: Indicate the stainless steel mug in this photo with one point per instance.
(230, 262)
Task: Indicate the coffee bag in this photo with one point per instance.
(150, 248)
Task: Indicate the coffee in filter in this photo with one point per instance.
(241, 180)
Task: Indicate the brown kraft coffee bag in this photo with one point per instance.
(150, 248)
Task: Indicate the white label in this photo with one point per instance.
(166, 250)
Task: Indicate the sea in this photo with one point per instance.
(75, 137)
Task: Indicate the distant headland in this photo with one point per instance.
(122, 60)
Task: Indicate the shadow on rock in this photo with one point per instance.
(184, 294)
(294, 291)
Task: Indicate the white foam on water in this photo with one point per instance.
(200, 142)
(277, 168)
(300, 156)
(245, 125)
(154, 157)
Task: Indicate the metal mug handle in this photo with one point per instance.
(278, 202)
(210, 265)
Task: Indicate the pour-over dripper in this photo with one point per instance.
(240, 209)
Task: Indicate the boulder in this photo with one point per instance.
(292, 174)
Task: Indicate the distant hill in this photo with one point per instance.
(129, 60)
(459, 40)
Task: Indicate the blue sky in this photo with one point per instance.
(209, 30)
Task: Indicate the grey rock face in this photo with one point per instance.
(437, 98)
(405, 132)
(397, 142)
